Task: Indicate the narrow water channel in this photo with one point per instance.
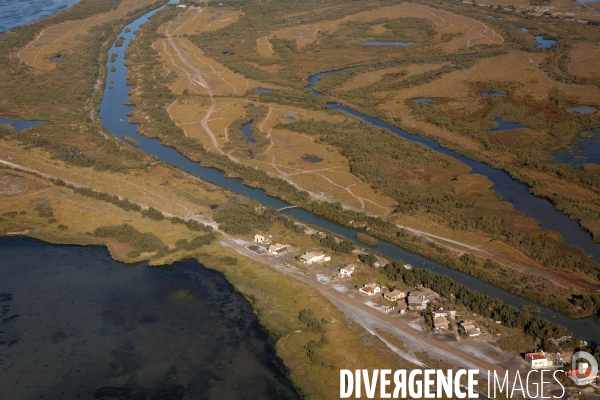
(510, 189)
(75, 324)
(113, 114)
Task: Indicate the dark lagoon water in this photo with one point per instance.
(76, 324)
(113, 113)
(378, 43)
(14, 13)
(247, 131)
(586, 150)
(20, 124)
(544, 43)
(506, 126)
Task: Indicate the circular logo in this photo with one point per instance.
(583, 372)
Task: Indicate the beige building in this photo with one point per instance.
(278, 248)
(440, 323)
(313, 257)
(260, 239)
(470, 328)
(395, 295)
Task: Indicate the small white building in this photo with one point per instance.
(260, 239)
(370, 289)
(538, 360)
(395, 295)
(313, 257)
(347, 270)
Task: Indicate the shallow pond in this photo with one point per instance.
(247, 131)
(311, 159)
(77, 325)
(56, 58)
(378, 43)
(20, 124)
(525, 29)
(262, 90)
(586, 150)
(581, 110)
(544, 43)
(506, 126)
(492, 94)
(423, 101)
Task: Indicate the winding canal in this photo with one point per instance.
(113, 114)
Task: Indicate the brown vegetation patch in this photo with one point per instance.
(60, 39)
(203, 19)
(584, 61)
(371, 77)
(472, 32)
(264, 47)
(16, 184)
(195, 71)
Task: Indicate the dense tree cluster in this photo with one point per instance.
(125, 233)
(192, 225)
(331, 242)
(240, 217)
